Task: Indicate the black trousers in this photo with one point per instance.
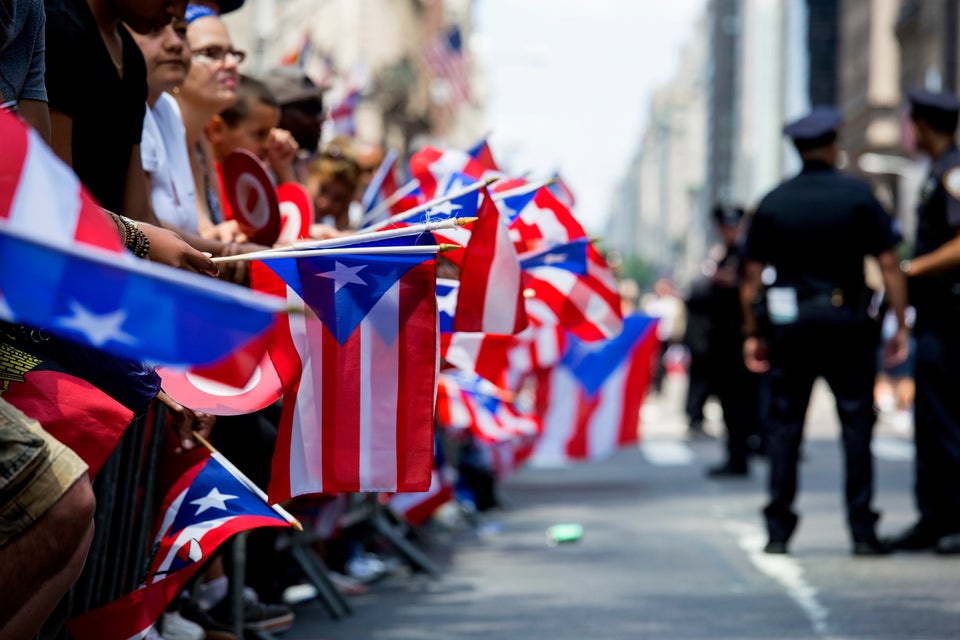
(737, 390)
(937, 428)
(834, 345)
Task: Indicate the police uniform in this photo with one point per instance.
(734, 385)
(815, 230)
(937, 334)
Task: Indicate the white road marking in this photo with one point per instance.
(893, 449)
(667, 453)
(784, 569)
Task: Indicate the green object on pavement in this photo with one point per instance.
(560, 533)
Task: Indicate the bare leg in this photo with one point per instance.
(39, 566)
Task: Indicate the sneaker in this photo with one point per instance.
(176, 627)
(257, 616)
(213, 629)
(366, 567)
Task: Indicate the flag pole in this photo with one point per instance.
(245, 481)
(341, 251)
(519, 191)
(400, 217)
(391, 200)
(367, 236)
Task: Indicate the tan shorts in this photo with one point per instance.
(36, 470)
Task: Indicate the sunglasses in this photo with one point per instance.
(219, 54)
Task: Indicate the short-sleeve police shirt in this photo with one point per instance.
(938, 221)
(816, 229)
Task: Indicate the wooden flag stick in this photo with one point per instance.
(367, 236)
(341, 251)
(245, 481)
(400, 217)
(391, 200)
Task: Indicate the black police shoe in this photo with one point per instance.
(917, 538)
(949, 545)
(871, 547)
(776, 547)
(728, 470)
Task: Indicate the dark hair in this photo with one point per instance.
(938, 119)
(250, 92)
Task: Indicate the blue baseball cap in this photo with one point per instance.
(195, 11)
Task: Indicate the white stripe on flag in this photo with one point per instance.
(37, 204)
(306, 442)
(379, 393)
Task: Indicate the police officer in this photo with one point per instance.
(815, 230)
(934, 283)
(734, 385)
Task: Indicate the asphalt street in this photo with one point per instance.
(666, 553)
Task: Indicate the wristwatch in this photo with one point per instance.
(906, 266)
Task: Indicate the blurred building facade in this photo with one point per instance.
(375, 48)
(658, 204)
(766, 62)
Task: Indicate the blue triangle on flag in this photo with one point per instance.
(571, 256)
(512, 206)
(342, 290)
(216, 494)
(593, 362)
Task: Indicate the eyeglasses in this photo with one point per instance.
(219, 54)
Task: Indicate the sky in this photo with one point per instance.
(568, 84)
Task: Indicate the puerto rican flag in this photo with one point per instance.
(417, 508)
(574, 281)
(62, 267)
(382, 185)
(359, 365)
(561, 191)
(443, 170)
(590, 403)
(536, 348)
(544, 222)
(205, 507)
(491, 293)
(343, 115)
(41, 196)
(468, 402)
(482, 153)
(482, 353)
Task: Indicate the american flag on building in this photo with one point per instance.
(444, 57)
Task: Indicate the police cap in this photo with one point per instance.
(938, 100)
(727, 215)
(821, 122)
(939, 109)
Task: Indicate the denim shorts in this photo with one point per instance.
(36, 470)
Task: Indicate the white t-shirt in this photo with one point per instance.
(163, 151)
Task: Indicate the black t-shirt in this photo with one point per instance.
(82, 83)
(816, 229)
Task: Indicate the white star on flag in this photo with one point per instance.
(99, 328)
(446, 208)
(448, 303)
(554, 258)
(6, 313)
(213, 500)
(343, 275)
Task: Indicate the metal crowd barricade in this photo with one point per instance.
(126, 496)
